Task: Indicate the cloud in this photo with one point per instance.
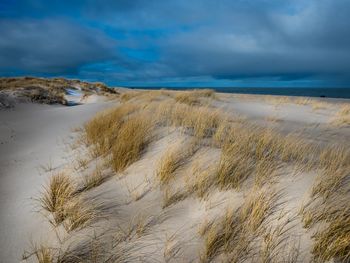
(149, 41)
(50, 46)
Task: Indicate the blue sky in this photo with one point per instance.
(244, 43)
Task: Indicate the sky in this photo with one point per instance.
(179, 43)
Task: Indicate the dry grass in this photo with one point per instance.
(138, 192)
(335, 162)
(55, 196)
(44, 254)
(302, 101)
(233, 169)
(235, 232)
(276, 100)
(120, 133)
(272, 118)
(129, 95)
(242, 149)
(93, 250)
(193, 97)
(332, 238)
(329, 206)
(174, 158)
(200, 121)
(187, 99)
(50, 91)
(249, 149)
(102, 130)
(131, 139)
(278, 246)
(318, 105)
(78, 214)
(265, 171)
(342, 117)
(172, 247)
(334, 241)
(172, 197)
(200, 180)
(81, 163)
(45, 96)
(59, 199)
(93, 179)
(204, 227)
(56, 83)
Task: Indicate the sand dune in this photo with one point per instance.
(165, 176)
(32, 136)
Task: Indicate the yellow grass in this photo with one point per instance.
(233, 169)
(330, 206)
(201, 121)
(242, 149)
(199, 180)
(342, 117)
(44, 255)
(334, 241)
(173, 159)
(334, 177)
(249, 149)
(81, 163)
(102, 130)
(120, 133)
(55, 196)
(93, 179)
(59, 199)
(171, 197)
(204, 227)
(129, 95)
(130, 141)
(278, 246)
(272, 118)
(317, 105)
(79, 214)
(277, 100)
(235, 232)
(302, 101)
(193, 97)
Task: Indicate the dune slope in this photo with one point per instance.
(33, 140)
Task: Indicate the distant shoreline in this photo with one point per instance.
(342, 93)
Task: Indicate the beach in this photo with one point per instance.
(171, 176)
(32, 136)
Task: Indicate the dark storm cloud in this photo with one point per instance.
(50, 46)
(313, 40)
(133, 41)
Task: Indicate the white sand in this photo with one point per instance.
(31, 135)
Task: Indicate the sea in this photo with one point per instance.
(296, 91)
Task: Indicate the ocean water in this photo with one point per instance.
(307, 92)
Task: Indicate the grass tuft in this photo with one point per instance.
(235, 232)
(79, 214)
(342, 117)
(194, 97)
(334, 241)
(54, 197)
(44, 255)
(131, 139)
